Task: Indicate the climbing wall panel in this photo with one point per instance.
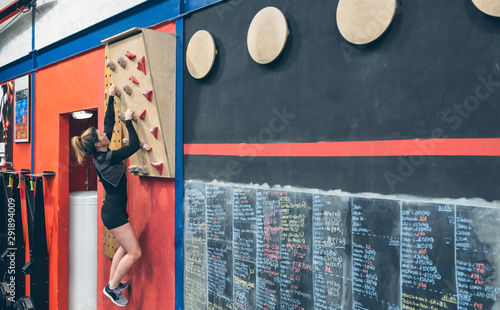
(110, 245)
(142, 64)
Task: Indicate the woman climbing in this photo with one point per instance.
(112, 174)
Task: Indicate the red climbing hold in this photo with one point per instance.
(148, 95)
(130, 55)
(141, 65)
(142, 115)
(133, 79)
(154, 131)
(147, 147)
(158, 166)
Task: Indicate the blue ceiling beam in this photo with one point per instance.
(16, 68)
(192, 5)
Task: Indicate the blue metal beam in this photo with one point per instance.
(32, 88)
(192, 5)
(179, 168)
(16, 68)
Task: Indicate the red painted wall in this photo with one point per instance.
(152, 278)
(151, 208)
(72, 85)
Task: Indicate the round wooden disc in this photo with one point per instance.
(267, 35)
(200, 54)
(490, 7)
(363, 21)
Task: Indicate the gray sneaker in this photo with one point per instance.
(116, 296)
(123, 285)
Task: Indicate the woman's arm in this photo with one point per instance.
(109, 117)
(128, 150)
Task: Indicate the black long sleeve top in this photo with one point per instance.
(109, 166)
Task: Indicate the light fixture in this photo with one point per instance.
(82, 114)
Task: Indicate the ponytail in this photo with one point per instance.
(84, 144)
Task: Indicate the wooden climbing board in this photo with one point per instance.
(110, 245)
(142, 66)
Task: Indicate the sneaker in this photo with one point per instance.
(116, 296)
(123, 286)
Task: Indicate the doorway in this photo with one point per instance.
(82, 177)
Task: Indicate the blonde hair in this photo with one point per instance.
(85, 144)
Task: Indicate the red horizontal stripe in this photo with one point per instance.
(430, 147)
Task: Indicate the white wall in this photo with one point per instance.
(58, 19)
(55, 20)
(4, 3)
(15, 40)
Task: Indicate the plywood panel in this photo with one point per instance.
(161, 49)
(159, 77)
(110, 245)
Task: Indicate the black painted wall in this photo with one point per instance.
(434, 74)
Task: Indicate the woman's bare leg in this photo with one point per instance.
(125, 235)
(116, 259)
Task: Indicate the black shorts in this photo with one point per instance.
(114, 215)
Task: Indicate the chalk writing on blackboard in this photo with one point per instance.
(331, 256)
(219, 201)
(195, 248)
(268, 249)
(296, 251)
(375, 253)
(477, 264)
(428, 256)
(252, 248)
(244, 248)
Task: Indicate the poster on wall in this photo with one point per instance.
(6, 105)
(22, 109)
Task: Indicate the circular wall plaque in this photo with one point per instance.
(490, 7)
(363, 21)
(200, 54)
(267, 35)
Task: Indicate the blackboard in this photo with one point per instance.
(219, 216)
(415, 82)
(296, 251)
(244, 247)
(269, 249)
(249, 247)
(428, 255)
(477, 257)
(332, 252)
(322, 88)
(195, 248)
(375, 253)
